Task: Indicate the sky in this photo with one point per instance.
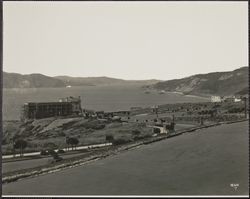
(128, 40)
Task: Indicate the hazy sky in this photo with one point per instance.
(129, 40)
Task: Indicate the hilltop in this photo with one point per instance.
(216, 83)
(93, 81)
(15, 80)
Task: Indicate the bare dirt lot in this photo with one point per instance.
(204, 162)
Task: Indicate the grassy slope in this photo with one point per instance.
(45, 133)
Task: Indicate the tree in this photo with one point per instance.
(72, 141)
(170, 126)
(136, 132)
(109, 138)
(201, 121)
(55, 156)
(50, 146)
(156, 130)
(21, 145)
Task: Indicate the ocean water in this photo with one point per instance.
(106, 98)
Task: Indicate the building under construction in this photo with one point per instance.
(64, 107)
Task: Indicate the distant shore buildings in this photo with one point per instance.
(136, 108)
(225, 99)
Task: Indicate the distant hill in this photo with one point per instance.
(244, 91)
(217, 83)
(15, 80)
(93, 81)
(89, 81)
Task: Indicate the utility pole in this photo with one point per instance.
(201, 120)
(156, 111)
(245, 106)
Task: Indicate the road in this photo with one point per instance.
(204, 162)
(31, 163)
(65, 149)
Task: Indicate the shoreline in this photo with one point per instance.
(146, 107)
(187, 95)
(202, 96)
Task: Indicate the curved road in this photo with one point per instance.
(204, 162)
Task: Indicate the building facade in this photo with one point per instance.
(38, 110)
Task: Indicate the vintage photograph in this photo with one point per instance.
(125, 98)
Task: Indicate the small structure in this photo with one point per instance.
(215, 99)
(64, 107)
(100, 114)
(162, 92)
(237, 99)
(161, 129)
(121, 113)
(228, 99)
(155, 110)
(135, 108)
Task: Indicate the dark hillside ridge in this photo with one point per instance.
(15, 80)
(216, 83)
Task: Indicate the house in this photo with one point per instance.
(237, 99)
(228, 99)
(121, 113)
(100, 114)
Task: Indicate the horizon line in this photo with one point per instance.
(116, 77)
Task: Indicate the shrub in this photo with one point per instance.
(136, 132)
(94, 125)
(56, 159)
(49, 145)
(60, 151)
(73, 141)
(171, 126)
(109, 138)
(21, 145)
(43, 152)
(61, 134)
(120, 141)
(4, 141)
(137, 138)
(235, 110)
(156, 130)
(100, 126)
(29, 128)
(147, 136)
(51, 152)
